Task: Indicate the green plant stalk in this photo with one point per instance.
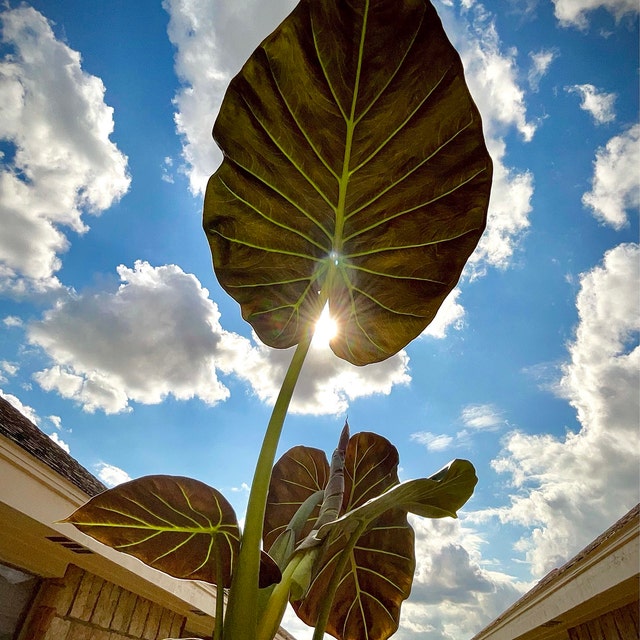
(330, 593)
(241, 616)
(218, 629)
(273, 612)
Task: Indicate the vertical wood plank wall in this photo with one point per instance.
(621, 624)
(82, 606)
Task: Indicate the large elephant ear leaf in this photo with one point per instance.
(296, 476)
(178, 525)
(355, 171)
(379, 570)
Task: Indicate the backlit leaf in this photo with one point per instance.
(354, 164)
(297, 475)
(178, 525)
(379, 572)
(436, 497)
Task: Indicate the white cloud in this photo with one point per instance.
(615, 186)
(159, 334)
(167, 171)
(475, 417)
(453, 595)
(7, 370)
(450, 315)
(12, 321)
(573, 13)
(298, 629)
(483, 417)
(9, 367)
(598, 103)
(155, 335)
(540, 63)
(433, 442)
(213, 38)
(59, 441)
(568, 490)
(110, 474)
(326, 384)
(55, 119)
(492, 75)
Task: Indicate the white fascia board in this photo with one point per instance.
(615, 560)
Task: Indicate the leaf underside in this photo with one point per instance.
(354, 164)
(178, 525)
(378, 573)
(298, 474)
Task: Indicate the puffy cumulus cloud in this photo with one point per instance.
(212, 40)
(110, 474)
(540, 63)
(155, 335)
(453, 595)
(55, 121)
(158, 334)
(326, 385)
(492, 75)
(573, 13)
(595, 102)
(568, 490)
(615, 187)
(491, 71)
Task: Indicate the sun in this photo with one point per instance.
(326, 327)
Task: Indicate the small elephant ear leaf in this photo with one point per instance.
(355, 171)
(296, 476)
(378, 574)
(178, 525)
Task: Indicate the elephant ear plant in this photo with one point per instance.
(355, 175)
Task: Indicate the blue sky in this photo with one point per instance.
(116, 339)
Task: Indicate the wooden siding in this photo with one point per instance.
(82, 606)
(621, 624)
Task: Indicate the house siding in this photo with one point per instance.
(621, 624)
(83, 606)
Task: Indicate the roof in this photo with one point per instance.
(29, 522)
(557, 578)
(19, 429)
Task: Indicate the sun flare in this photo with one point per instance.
(326, 327)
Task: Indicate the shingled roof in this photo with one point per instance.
(17, 428)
